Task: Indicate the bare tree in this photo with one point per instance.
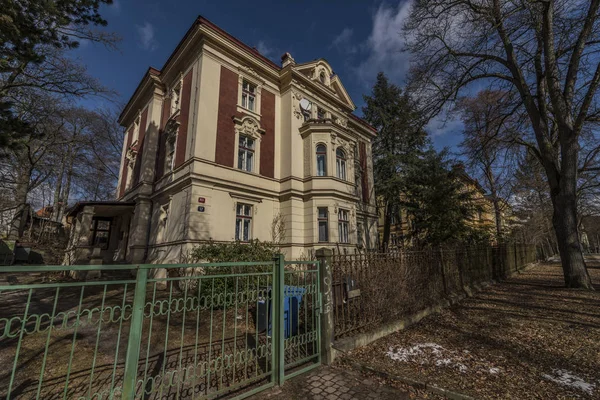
(28, 163)
(484, 118)
(545, 53)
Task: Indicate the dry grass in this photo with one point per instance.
(506, 342)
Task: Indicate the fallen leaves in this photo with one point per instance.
(527, 337)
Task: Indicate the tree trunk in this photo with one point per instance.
(563, 192)
(564, 220)
(57, 192)
(64, 197)
(387, 222)
(17, 225)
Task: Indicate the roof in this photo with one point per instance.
(363, 122)
(200, 20)
(80, 204)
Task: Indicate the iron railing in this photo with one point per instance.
(371, 289)
(200, 331)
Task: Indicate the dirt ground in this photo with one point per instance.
(525, 338)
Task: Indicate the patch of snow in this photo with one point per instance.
(567, 378)
(425, 353)
(433, 353)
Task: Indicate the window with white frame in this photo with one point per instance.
(323, 221)
(243, 222)
(340, 162)
(344, 226)
(246, 153)
(248, 95)
(321, 160)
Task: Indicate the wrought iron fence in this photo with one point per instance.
(370, 289)
(203, 331)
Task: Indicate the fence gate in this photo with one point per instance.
(225, 330)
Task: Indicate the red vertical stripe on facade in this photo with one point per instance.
(228, 92)
(267, 144)
(364, 172)
(140, 148)
(125, 163)
(186, 95)
(160, 156)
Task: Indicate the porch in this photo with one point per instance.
(99, 232)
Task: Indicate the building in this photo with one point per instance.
(483, 217)
(223, 144)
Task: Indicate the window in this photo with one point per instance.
(248, 95)
(322, 77)
(320, 113)
(343, 222)
(170, 153)
(321, 160)
(305, 107)
(100, 232)
(323, 219)
(243, 222)
(246, 153)
(340, 157)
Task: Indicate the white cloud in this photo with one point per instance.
(385, 45)
(146, 36)
(343, 43)
(264, 49)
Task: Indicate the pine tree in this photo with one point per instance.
(400, 139)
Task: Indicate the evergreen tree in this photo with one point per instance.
(33, 34)
(438, 203)
(400, 140)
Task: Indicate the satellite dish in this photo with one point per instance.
(305, 104)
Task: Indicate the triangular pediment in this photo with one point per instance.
(321, 73)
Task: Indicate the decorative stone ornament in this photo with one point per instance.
(248, 126)
(132, 153)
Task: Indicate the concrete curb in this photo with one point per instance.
(430, 387)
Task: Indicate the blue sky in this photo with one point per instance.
(358, 37)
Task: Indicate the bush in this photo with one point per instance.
(211, 252)
(233, 252)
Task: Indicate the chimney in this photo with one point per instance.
(287, 59)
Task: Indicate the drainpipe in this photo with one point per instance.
(148, 228)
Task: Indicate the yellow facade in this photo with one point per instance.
(167, 221)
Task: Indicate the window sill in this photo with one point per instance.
(249, 112)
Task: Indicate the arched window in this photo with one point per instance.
(321, 160)
(340, 157)
(322, 77)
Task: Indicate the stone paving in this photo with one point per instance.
(333, 383)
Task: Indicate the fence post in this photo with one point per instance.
(278, 297)
(135, 335)
(325, 257)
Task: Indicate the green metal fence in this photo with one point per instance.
(203, 331)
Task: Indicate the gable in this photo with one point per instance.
(321, 73)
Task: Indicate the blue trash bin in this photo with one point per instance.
(291, 309)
